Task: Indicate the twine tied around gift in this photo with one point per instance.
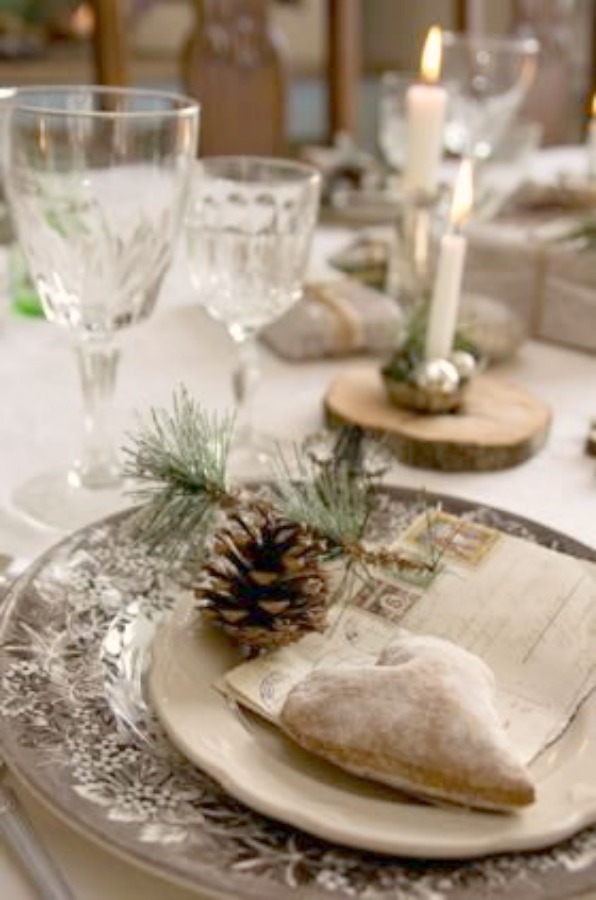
(348, 327)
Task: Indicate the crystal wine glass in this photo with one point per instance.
(96, 181)
(392, 118)
(249, 230)
(487, 80)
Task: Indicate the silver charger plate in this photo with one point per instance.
(76, 726)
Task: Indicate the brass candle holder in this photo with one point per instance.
(433, 386)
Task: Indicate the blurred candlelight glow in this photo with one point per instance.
(430, 66)
(463, 194)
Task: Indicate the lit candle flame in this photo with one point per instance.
(430, 66)
(593, 107)
(463, 194)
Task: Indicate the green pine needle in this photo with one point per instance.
(177, 461)
(332, 501)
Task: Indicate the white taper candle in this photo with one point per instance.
(426, 104)
(444, 305)
(445, 300)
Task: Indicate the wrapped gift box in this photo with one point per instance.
(344, 317)
(500, 266)
(496, 330)
(336, 318)
(536, 263)
(567, 313)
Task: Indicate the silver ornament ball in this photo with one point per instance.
(464, 362)
(437, 376)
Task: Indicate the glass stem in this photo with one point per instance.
(97, 466)
(244, 382)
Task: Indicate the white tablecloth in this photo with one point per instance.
(40, 426)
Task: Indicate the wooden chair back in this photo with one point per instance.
(234, 63)
(110, 44)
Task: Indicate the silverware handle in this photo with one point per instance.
(18, 833)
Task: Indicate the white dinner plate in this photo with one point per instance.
(255, 763)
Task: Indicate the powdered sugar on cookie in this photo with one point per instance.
(422, 720)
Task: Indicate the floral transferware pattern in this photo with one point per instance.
(75, 723)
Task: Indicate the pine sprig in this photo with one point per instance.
(177, 461)
(334, 499)
(331, 501)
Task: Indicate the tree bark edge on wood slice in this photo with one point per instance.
(500, 425)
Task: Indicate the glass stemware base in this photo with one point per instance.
(57, 500)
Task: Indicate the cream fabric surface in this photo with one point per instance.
(40, 425)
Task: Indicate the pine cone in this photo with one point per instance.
(262, 582)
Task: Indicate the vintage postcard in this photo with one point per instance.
(527, 611)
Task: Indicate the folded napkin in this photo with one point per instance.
(336, 318)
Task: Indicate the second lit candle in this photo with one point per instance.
(444, 305)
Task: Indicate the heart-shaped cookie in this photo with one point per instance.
(422, 720)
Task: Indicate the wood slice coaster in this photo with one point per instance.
(499, 425)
